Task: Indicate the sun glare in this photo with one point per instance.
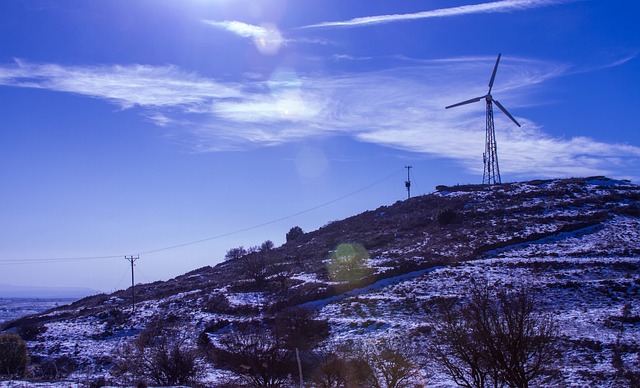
(269, 42)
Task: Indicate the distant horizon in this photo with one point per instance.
(11, 291)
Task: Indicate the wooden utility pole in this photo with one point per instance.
(132, 259)
(299, 368)
(407, 183)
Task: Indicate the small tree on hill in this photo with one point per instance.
(267, 246)
(235, 253)
(294, 233)
(256, 267)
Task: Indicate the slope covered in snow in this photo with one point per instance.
(576, 242)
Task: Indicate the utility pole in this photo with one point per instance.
(132, 259)
(407, 183)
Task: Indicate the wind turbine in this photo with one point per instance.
(491, 174)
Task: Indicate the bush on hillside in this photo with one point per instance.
(255, 352)
(294, 233)
(447, 216)
(160, 354)
(13, 355)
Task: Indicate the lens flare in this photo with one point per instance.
(269, 41)
(289, 101)
(311, 162)
(348, 262)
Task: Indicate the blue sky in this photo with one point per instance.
(128, 127)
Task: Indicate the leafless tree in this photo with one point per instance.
(332, 372)
(235, 253)
(255, 352)
(386, 363)
(257, 267)
(495, 337)
(267, 246)
(160, 354)
(391, 362)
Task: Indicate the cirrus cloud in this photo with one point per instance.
(400, 107)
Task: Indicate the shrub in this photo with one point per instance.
(294, 233)
(447, 216)
(159, 354)
(217, 303)
(299, 330)
(255, 352)
(13, 355)
(57, 368)
(31, 331)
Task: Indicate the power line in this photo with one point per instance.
(56, 259)
(87, 258)
(272, 221)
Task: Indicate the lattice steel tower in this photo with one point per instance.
(491, 174)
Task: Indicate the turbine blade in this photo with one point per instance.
(493, 76)
(465, 102)
(507, 113)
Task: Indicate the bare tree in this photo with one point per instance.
(459, 347)
(388, 363)
(267, 246)
(235, 253)
(256, 267)
(523, 339)
(332, 372)
(495, 338)
(255, 352)
(159, 354)
(394, 361)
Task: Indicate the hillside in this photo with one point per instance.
(575, 241)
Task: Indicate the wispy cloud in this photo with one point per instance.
(127, 86)
(266, 37)
(401, 107)
(239, 28)
(491, 7)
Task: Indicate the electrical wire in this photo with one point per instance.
(86, 258)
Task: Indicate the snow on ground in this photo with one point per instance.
(586, 294)
(587, 278)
